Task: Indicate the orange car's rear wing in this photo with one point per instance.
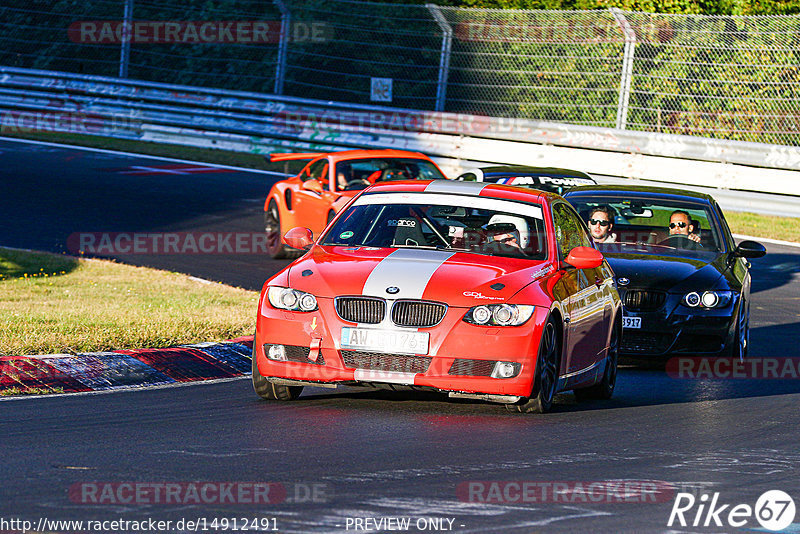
(291, 156)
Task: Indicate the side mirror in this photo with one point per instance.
(313, 185)
(750, 249)
(299, 238)
(585, 258)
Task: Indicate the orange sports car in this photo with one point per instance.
(328, 182)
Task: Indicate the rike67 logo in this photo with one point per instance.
(774, 510)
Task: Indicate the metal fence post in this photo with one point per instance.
(627, 67)
(283, 45)
(125, 49)
(444, 55)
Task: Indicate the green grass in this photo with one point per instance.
(771, 226)
(56, 304)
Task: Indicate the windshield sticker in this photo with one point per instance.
(346, 235)
(401, 222)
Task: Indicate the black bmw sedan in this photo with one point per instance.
(684, 282)
(542, 178)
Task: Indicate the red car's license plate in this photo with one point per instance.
(391, 341)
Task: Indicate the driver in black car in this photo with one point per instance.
(680, 224)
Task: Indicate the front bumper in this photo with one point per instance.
(677, 329)
(459, 359)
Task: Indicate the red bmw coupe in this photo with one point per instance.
(478, 290)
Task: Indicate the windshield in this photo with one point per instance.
(418, 220)
(360, 173)
(656, 225)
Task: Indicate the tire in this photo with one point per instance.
(269, 391)
(272, 226)
(546, 379)
(604, 389)
(741, 340)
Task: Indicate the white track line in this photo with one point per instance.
(134, 154)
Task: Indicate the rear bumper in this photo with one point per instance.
(459, 358)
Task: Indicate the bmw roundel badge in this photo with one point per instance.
(623, 281)
(393, 290)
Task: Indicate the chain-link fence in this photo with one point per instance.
(723, 77)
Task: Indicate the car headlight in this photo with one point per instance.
(707, 299)
(285, 298)
(499, 314)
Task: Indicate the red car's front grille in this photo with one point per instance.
(378, 361)
(471, 367)
(368, 310)
(418, 313)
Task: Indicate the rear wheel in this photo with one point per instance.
(272, 226)
(605, 388)
(546, 379)
(269, 391)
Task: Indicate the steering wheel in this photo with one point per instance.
(357, 183)
(681, 241)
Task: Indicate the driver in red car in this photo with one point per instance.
(680, 223)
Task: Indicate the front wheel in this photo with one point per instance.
(739, 347)
(546, 379)
(269, 391)
(604, 389)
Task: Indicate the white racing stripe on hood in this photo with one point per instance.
(410, 270)
(453, 186)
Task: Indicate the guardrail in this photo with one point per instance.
(259, 123)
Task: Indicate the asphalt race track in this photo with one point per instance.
(344, 455)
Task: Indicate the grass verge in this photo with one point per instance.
(770, 226)
(57, 304)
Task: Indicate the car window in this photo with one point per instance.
(644, 222)
(316, 171)
(388, 169)
(570, 230)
